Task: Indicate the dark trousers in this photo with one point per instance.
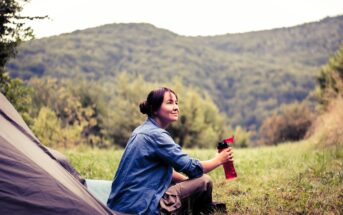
(188, 197)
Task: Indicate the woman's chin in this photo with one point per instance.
(174, 118)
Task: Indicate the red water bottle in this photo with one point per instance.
(229, 169)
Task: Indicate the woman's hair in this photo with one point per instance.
(154, 100)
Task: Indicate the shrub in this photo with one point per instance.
(330, 80)
(291, 124)
(47, 127)
(327, 128)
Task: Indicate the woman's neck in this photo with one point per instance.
(160, 122)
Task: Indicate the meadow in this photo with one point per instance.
(291, 178)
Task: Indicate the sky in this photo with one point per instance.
(184, 17)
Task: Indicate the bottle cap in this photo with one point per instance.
(222, 145)
(229, 140)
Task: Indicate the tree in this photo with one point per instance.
(331, 79)
(77, 106)
(12, 28)
(48, 128)
(18, 94)
(124, 116)
(327, 128)
(200, 125)
(12, 32)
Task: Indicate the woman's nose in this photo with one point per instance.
(176, 107)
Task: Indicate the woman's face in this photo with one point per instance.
(169, 110)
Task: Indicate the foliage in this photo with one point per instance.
(286, 179)
(291, 124)
(12, 32)
(76, 109)
(123, 112)
(327, 130)
(330, 80)
(106, 115)
(47, 127)
(248, 76)
(18, 94)
(200, 125)
(242, 138)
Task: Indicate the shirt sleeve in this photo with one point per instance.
(171, 153)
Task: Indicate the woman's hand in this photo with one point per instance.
(225, 155)
(220, 158)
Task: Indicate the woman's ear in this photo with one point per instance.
(155, 113)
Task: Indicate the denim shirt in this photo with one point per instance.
(145, 170)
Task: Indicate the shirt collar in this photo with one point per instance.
(153, 122)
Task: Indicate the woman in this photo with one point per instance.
(148, 179)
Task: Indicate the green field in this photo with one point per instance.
(292, 178)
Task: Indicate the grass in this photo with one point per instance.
(292, 178)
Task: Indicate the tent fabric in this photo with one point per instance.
(63, 160)
(32, 179)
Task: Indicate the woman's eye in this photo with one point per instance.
(172, 102)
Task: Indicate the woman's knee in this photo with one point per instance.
(207, 181)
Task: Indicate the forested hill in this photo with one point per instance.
(248, 75)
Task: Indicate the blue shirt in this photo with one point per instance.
(145, 170)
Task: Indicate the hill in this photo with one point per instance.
(248, 75)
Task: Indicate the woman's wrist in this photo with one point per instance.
(210, 165)
(218, 160)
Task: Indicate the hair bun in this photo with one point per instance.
(143, 107)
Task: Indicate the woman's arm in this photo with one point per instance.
(219, 159)
(178, 177)
(168, 151)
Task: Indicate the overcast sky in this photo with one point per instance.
(184, 17)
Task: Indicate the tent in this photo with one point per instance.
(35, 179)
